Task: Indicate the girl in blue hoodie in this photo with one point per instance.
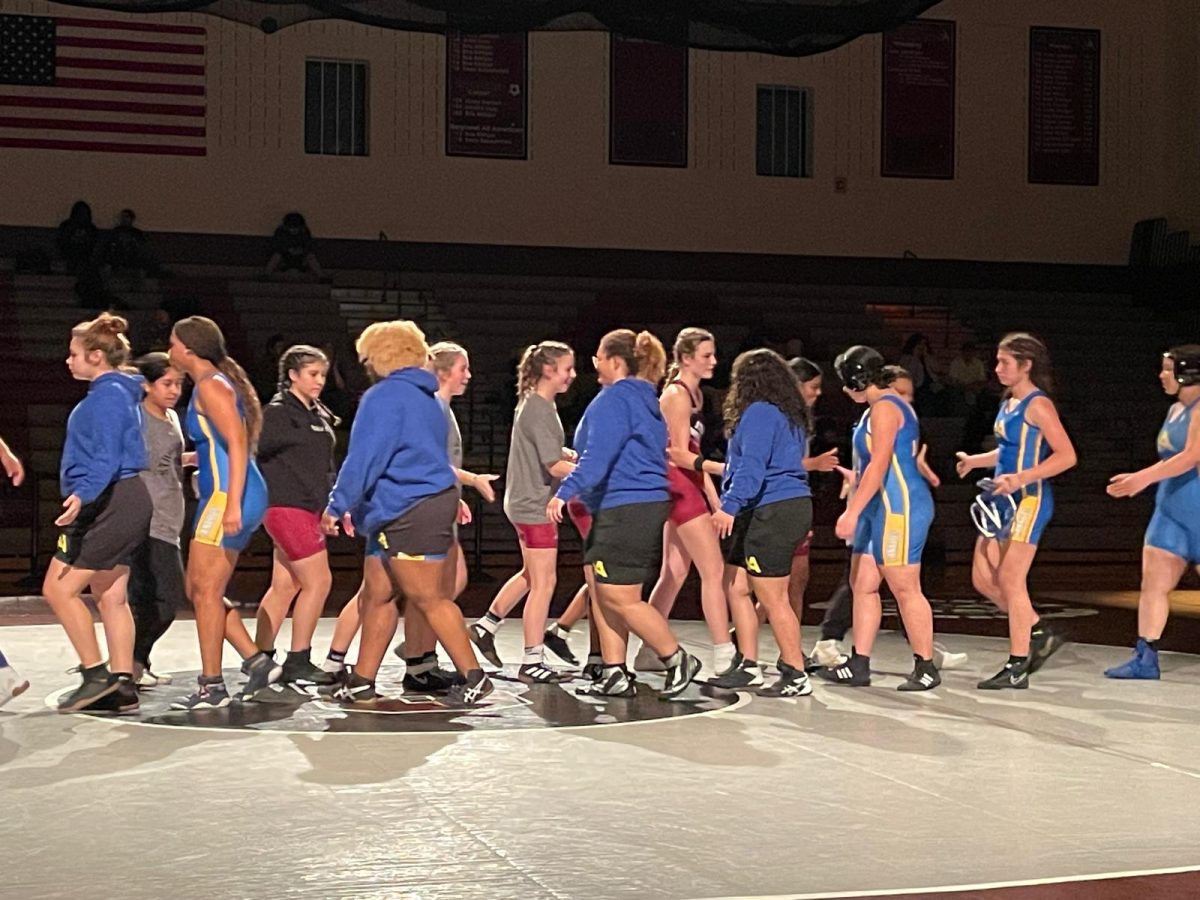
(397, 484)
(622, 478)
(766, 503)
(106, 515)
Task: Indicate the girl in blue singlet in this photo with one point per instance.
(1173, 536)
(887, 520)
(1031, 447)
(223, 420)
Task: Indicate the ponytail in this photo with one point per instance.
(533, 362)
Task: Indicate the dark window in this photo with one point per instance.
(335, 107)
(784, 131)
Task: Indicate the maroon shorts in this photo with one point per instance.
(543, 536)
(804, 546)
(296, 532)
(580, 517)
(687, 497)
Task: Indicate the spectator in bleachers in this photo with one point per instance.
(77, 237)
(127, 247)
(338, 394)
(918, 358)
(968, 376)
(292, 248)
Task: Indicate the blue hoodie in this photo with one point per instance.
(104, 441)
(625, 455)
(763, 464)
(397, 454)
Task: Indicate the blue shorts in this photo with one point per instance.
(1026, 524)
(1167, 533)
(210, 512)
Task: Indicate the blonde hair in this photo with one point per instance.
(105, 333)
(534, 360)
(444, 354)
(643, 353)
(388, 346)
(687, 342)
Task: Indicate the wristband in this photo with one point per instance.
(698, 465)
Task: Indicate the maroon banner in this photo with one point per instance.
(486, 83)
(647, 103)
(1064, 106)
(918, 100)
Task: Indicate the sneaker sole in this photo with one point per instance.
(219, 705)
(83, 703)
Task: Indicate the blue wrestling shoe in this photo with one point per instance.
(1143, 666)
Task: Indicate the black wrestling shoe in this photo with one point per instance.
(485, 643)
(355, 689)
(1044, 642)
(791, 683)
(96, 685)
(682, 668)
(263, 672)
(560, 648)
(301, 672)
(854, 672)
(471, 689)
(123, 700)
(536, 673)
(435, 681)
(614, 681)
(745, 673)
(1014, 676)
(924, 676)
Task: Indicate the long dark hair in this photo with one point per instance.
(1024, 347)
(762, 375)
(203, 337)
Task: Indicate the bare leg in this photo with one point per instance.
(868, 609)
(1014, 572)
(773, 594)
(313, 575)
(110, 589)
(208, 572)
(541, 568)
(905, 582)
(625, 600)
(421, 583)
(741, 605)
(700, 544)
(273, 608)
(62, 588)
(675, 565)
(1161, 572)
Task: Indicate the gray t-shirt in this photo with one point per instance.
(453, 435)
(537, 444)
(163, 475)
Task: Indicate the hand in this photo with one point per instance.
(348, 525)
(722, 523)
(1007, 484)
(71, 507)
(847, 524)
(826, 462)
(231, 522)
(329, 524)
(1125, 485)
(568, 454)
(965, 464)
(188, 460)
(554, 510)
(926, 469)
(13, 469)
(464, 513)
(483, 484)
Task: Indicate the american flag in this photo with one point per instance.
(105, 85)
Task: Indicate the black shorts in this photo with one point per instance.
(625, 543)
(425, 532)
(107, 530)
(765, 538)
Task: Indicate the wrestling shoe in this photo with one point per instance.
(123, 700)
(208, 695)
(11, 684)
(560, 648)
(1014, 676)
(647, 661)
(1044, 642)
(485, 643)
(790, 683)
(744, 673)
(614, 681)
(96, 684)
(1143, 666)
(471, 689)
(924, 676)
(854, 672)
(536, 673)
(434, 681)
(355, 689)
(681, 670)
(301, 671)
(263, 672)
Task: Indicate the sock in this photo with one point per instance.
(675, 659)
(1153, 645)
(337, 656)
(213, 680)
(3, 660)
(533, 655)
(490, 622)
(558, 630)
(723, 655)
(261, 658)
(595, 659)
(419, 665)
(1017, 660)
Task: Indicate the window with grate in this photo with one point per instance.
(784, 131)
(335, 107)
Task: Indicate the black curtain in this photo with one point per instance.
(784, 27)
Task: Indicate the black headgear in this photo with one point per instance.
(857, 366)
(1187, 365)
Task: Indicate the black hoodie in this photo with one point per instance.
(295, 452)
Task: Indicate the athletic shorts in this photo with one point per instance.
(296, 532)
(764, 539)
(540, 536)
(687, 496)
(210, 513)
(580, 517)
(1165, 532)
(805, 545)
(424, 532)
(624, 545)
(109, 529)
(1030, 519)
